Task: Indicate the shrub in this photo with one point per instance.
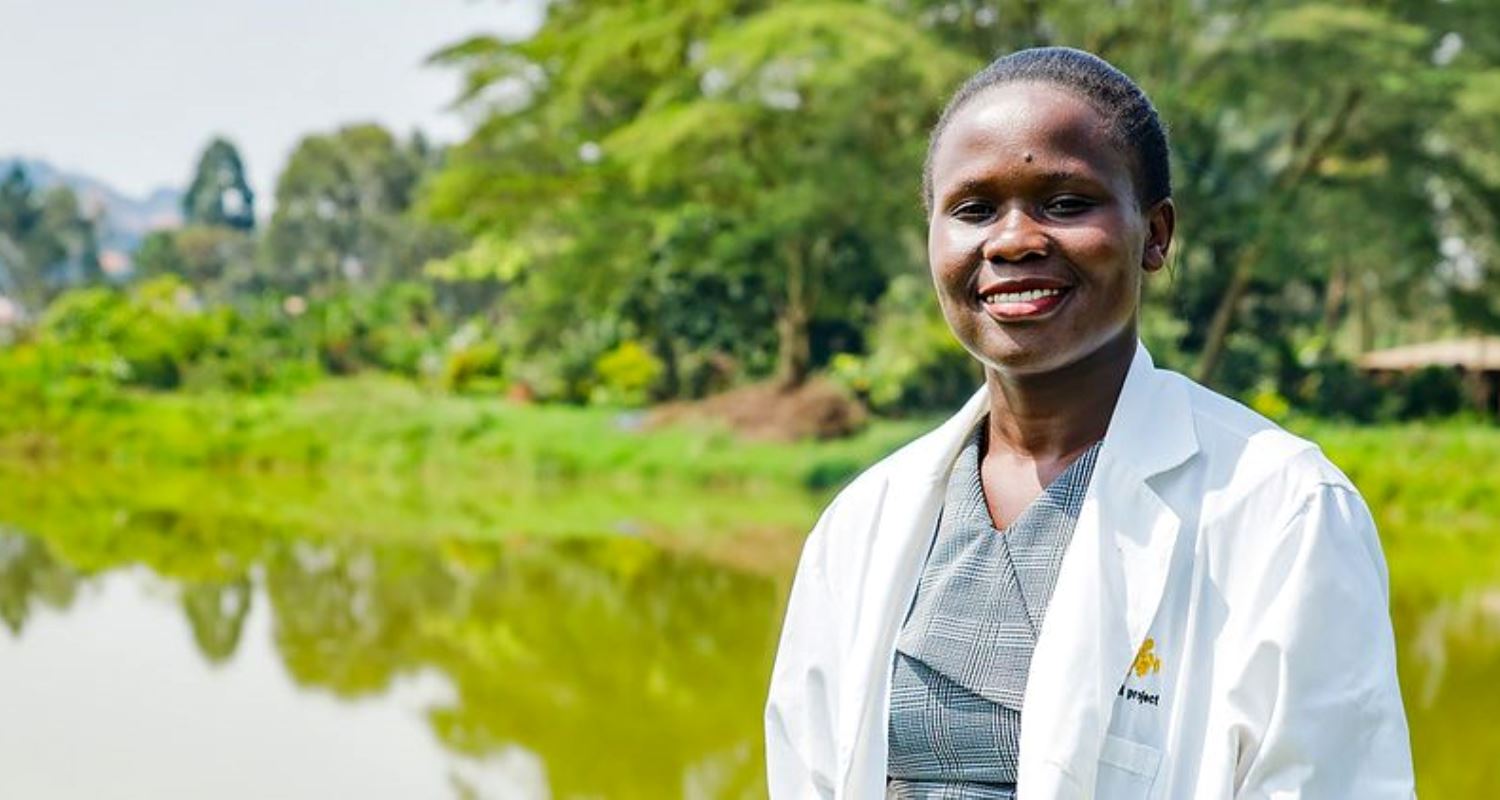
(144, 338)
(1431, 392)
(914, 364)
(626, 375)
(469, 356)
(1338, 390)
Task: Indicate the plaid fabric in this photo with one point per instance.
(965, 650)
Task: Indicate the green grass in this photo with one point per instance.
(387, 426)
(382, 457)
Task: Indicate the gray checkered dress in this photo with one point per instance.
(964, 652)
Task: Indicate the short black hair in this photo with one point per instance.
(1133, 121)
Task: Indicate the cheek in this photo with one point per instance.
(1111, 252)
(949, 254)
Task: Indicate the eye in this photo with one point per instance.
(1068, 205)
(973, 211)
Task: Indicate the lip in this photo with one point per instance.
(1021, 310)
(1023, 283)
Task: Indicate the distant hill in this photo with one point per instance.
(127, 219)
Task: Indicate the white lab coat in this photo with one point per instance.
(1247, 561)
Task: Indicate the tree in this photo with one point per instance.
(219, 194)
(46, 239)
(704, 176)
(705, 150)
(214, 259)
(341, 211)
(1313, 138)
(19, 219)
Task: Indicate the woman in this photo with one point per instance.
(1178, 598)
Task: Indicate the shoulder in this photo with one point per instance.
(1260, 494)
(1244, 456)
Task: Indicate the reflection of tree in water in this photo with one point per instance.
(631, 672)
(216, 611)
(29, 574)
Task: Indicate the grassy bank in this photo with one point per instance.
(381, 457)
(388, 427)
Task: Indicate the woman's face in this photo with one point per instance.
(1036, 240)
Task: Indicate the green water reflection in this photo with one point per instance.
(626, 668)
(630, 671)
(1449, 653)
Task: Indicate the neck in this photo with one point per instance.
(1054, 415)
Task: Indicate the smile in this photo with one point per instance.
(1023, 304)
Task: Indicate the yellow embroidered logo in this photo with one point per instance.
(1146, 660)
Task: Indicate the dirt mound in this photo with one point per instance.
(818, 409)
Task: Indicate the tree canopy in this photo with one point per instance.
(739, 177)
(219, 194)
(48, 241)
(657, 199)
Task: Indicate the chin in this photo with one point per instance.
(1035, 355)
(1014, 358)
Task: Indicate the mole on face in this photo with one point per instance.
(1028, 158)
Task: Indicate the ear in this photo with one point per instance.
(1161, 223)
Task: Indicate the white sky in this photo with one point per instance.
(130, 91)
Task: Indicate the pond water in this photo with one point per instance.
(152, 654)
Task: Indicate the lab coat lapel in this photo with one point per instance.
(1108, 589)
(913, 497)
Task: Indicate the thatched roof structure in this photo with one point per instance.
(1474, 354)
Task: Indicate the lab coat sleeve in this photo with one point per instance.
(801, 711)
(1317, 689)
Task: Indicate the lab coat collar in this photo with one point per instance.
(1146, 436)
(1151, 430)
(1108, 589)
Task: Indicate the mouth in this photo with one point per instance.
(1018, 303)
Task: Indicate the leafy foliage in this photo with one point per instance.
(340, 212)
(647, 201)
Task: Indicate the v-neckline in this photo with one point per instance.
(982, 435)
(1004, 537)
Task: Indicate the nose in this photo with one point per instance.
(1015, 237)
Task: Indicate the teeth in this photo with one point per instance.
(1020, 297)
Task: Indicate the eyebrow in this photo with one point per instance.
(1050, 177)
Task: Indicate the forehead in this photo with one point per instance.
(999, 128)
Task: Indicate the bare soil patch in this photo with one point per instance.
(818, 409)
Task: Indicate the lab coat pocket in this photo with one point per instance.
(1126, 769)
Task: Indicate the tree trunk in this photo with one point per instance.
(794, 346)
(1229, 304)
(1366, 324)
(1333, 307)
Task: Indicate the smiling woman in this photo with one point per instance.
(1036, 221)
(1179, 598)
